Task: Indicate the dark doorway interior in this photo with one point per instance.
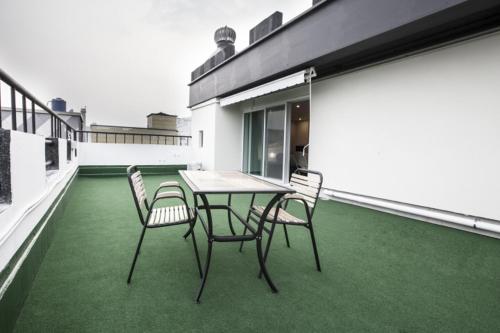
(299, 135)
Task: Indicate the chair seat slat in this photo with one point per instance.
(159, 217)
(168, 215)
(182, 215)
(283, 215)
(153, 215)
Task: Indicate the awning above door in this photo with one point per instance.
(264, 89)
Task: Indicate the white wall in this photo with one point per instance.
(203, 119)
(228, 138)
(128, 154)
(33, 190)
(423, 130)
(221, 136)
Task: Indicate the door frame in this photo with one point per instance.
(287, 103)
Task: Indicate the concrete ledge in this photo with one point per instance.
(121, 170)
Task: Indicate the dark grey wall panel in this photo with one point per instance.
(52, 153)
(5, 180)
(334, 34)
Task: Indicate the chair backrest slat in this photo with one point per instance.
(307, 183)
(305, 190)
(312, 178)
(138, 190)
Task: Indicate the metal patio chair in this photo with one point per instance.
(307, 184)
(151, 217)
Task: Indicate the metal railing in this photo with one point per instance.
(133, 138)
(58, 127)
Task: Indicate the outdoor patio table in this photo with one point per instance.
(203, 183)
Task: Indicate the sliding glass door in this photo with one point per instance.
(275, 142)
(253, 152)
(264, 142)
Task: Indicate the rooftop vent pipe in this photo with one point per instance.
(224, 37)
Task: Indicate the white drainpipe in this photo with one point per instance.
(434, 214)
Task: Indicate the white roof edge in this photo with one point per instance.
(203, 104)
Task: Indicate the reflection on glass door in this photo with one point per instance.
(275, 142)
(264, 142)
(253, 145)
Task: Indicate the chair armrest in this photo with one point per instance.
(169, 194)
(296, 197)
(170, 183)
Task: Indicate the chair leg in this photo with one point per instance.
(263, 266)
(313, 239)
(286, 235)
(136, 255)
(230, 223)
(207, 266)
(191, 227)
(247, 220)
(244, 233)
(196, 253)
(268, 245)
(187, 233)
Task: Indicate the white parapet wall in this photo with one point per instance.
(128, 154)
(34, 189)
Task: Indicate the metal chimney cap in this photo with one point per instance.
(225, 34)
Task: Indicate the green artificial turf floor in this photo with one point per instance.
(381, 273)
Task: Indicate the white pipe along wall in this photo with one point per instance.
(417, 212)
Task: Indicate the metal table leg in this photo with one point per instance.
(263, 269)
(229, 215)
(248, 219)
(210, 243)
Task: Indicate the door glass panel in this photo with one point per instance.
(275, 140)
(246, 140)
(253, 139)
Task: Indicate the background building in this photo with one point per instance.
(161, 129)
(162, 120)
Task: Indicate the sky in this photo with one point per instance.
(122, 59)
